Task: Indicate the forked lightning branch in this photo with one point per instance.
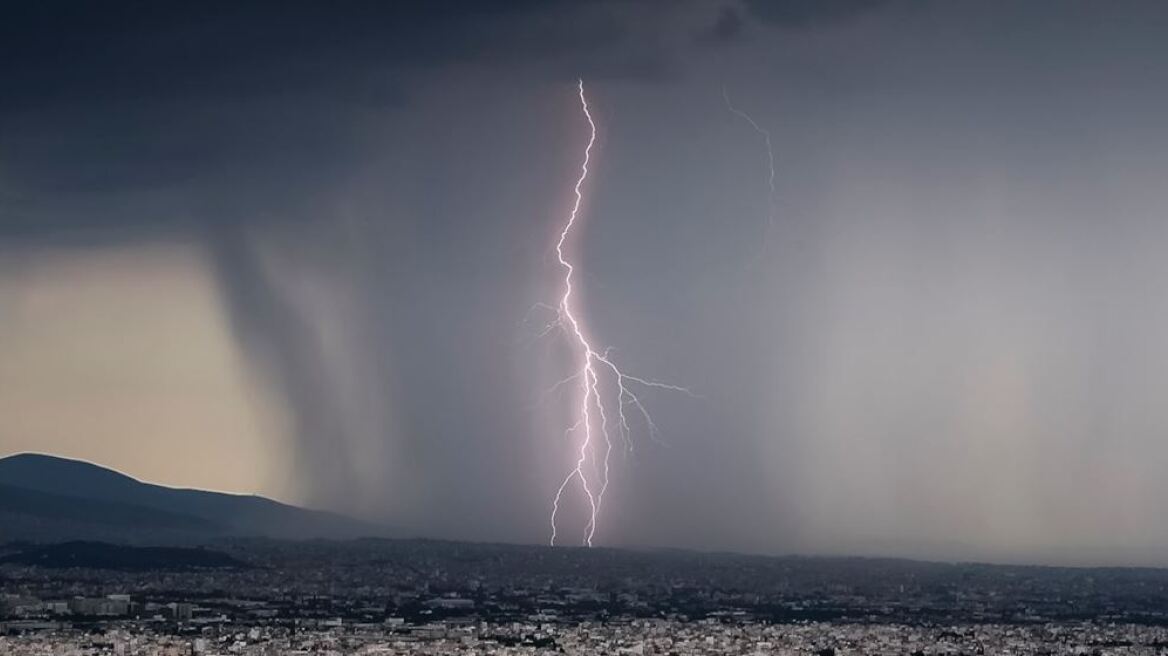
(602, 392)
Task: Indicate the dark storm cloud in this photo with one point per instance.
(810, 13)
(75, 51)
(115, 96)
(106, 96)
(725, 28)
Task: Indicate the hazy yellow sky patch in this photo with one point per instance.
(125, 357)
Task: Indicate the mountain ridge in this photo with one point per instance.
(42, 489)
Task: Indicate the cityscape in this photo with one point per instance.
(380, 596)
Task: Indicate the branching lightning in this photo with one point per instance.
(766, 136)
(597, 380)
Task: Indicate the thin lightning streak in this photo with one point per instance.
(591, 528)
(548, 327)
(766, 136)
(557, 386)
(588, 376)
(567, 313)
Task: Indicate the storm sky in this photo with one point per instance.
(291, 248)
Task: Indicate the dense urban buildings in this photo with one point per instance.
(266, 597)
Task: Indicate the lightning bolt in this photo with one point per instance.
(766, 137)
(595, 374)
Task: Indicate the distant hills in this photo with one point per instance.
(101, 555)
(45, 498)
